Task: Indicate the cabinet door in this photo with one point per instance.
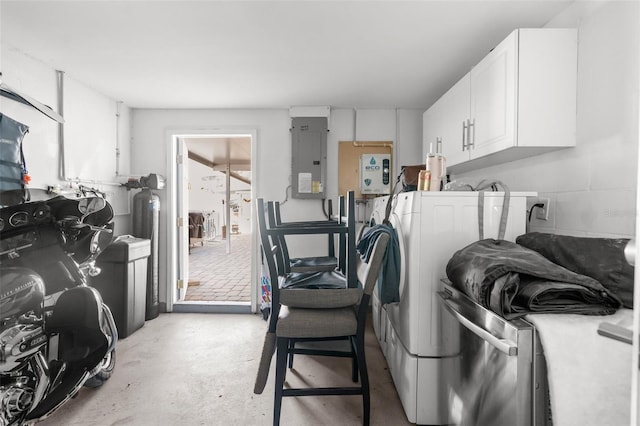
(455, 107)
(431, 128)
(493, 99)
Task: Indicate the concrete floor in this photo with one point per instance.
(199, 369)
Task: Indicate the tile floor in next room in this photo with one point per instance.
(218, 276)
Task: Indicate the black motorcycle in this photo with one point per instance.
(56, 334)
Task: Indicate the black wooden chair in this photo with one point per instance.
(317, 313)
(309, 263)
(344, 226)
(306, 289)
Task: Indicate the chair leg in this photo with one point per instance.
(364, 379)
(354, 360)
(281, 371)
(292, 345)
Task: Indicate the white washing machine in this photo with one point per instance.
(418, 343)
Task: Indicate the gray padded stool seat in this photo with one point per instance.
(304, 323)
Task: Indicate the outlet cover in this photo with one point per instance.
(542, 212)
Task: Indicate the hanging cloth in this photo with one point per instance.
(13, 169)
(389, 276)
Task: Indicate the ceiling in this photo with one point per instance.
(234, 150)
(218, 152)
(266, 54)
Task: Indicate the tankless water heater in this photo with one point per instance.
(374, 173)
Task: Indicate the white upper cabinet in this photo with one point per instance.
(454, 121)
(446, 122)
(520, 100)
(493, 100)
(431, 128)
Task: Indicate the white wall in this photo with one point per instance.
(91, 128)
(272, 172)
(591, 186)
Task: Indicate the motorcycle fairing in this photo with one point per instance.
(77, 318)
(22, 291)
(46, 258)
(62, 207)
(71, 384)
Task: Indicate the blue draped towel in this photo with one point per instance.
(389, 278)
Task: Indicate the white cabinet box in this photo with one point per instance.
(520, 100)
(446, 121)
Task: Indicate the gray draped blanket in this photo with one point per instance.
(389, 277)
(512, 281)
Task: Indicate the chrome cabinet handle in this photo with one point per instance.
(505, 346)
(464, 134)
(472, 139)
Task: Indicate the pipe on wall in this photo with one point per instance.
(355, 124)
(60, 93)
(118, 105)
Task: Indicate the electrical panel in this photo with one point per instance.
(309, 156)
(375, 172)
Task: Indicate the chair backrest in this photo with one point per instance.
(368, 275)
(282, 254)
(270, 249)
(344, 226)
(278, 217)
(347, 252)
(368, 271)
(275, 219)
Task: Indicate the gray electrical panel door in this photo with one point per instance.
(309, 156)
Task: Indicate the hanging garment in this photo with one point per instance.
(13, 170)
(389, 277)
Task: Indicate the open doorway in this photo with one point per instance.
(215, 231)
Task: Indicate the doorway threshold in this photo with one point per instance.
(206, 307)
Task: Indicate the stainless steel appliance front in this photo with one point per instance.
(502, 371)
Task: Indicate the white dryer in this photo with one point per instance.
(417, 340)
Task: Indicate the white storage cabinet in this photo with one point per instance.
(520, 100)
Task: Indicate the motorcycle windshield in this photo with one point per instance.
(90, 209)
(76, 220)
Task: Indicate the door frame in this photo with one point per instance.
(172, 138)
